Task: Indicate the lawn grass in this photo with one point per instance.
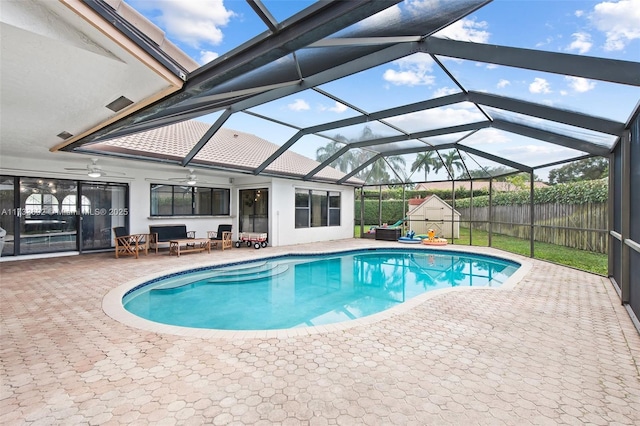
(579, 259)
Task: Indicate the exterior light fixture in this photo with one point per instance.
(94, 174)
(191, 182)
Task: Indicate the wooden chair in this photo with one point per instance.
(130, 244)
(222, 236)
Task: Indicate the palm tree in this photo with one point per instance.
(424, 161)
(437, 164)
(353, 158)
(341, 163)
(378, 172)
(452, 159)
(397, 163)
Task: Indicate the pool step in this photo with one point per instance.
(236, 269)
(242, 267)
(244, 271)
(272, 271)
(242, 275)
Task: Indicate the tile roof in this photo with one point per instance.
(228, 148)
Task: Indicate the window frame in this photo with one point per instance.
(318, 208)
(197, 206)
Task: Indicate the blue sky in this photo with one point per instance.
(205, 29)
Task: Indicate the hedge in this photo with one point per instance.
(391, 211)
(592, 191)
(396, 194)
(595, 191)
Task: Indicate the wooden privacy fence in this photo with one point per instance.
(581, 226)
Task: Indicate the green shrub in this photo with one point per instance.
(392, 211)
(593, 191)
(396, 194)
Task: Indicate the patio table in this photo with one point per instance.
(187, 245)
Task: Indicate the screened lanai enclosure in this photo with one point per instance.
(401, 93)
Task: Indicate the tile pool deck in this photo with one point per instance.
(555, 348)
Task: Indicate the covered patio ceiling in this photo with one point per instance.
(325, 55)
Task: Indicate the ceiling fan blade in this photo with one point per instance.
(110, 172)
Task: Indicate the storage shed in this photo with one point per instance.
(433, 213)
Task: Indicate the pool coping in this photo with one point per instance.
(113, 307)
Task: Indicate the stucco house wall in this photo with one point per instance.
(282, 214)
(140, 176)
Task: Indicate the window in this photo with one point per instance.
(317, 208)
(41, 204)
(334, 208)
(69, 205)
(302, 208)
(177, 200)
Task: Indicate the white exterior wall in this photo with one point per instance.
(282, 214)
(140, 208)
(140, 175)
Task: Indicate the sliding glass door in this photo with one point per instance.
(102, 207)
(43, 215)
(8, 216)
(48, 221)
(254, 210)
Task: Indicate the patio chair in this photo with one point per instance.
(222, 236)
(130, 244)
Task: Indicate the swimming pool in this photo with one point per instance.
(308, 290)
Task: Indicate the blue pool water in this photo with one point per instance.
(300, 291)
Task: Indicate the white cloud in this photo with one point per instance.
(540, 85)
(618, 21)
(503, 83)
(337, 108)
(299, 105)
(194, 22)
(407, 78)
(444, 91)
(546, 42)
(581, 43)
(438, 117)
(413, 70)
(579, 84)
(207, 56)
(536, 154)
(466, 30)
(579, 13)
(488, 136)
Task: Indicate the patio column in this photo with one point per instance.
(362, 212)
(471, 213)
(625, 215)
(379, 205)
(490, 210)
(531, 213)
(404, 214)
(453, 207)
(611, 217)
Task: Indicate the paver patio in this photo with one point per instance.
(557, 348)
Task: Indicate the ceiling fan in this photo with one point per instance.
(94, 170)
(190, 179)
